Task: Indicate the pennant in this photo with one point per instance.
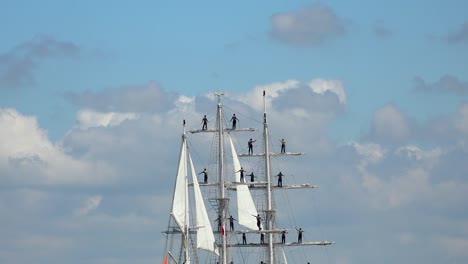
(166, 260)
(223, 231)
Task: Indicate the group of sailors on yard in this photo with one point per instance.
(259, 225)
(234, 121)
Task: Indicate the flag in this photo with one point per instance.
(223, 231)
(166, 260)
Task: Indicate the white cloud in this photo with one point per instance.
(389, 124)
(272, 90)
(27, 155)
(370, 152)
(88, 118)
(322, 86)
(414, 152)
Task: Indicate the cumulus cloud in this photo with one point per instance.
(28, 156)
(459, 36)
(389, 124)
(17, 66)
(322, 86)
(311, 25)
(446, 84)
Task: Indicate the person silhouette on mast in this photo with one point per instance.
(241, 174)
(259, 221)
(231, 222)
(299, 235)
(250, 144)
(252, 176)
(280, 179)
(234, 120)
(205, 123)
(205, 175)
(283, 145)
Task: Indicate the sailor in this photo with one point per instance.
(259, 221)
(244, 239)
(283, 145)
(241, 174)
(280, 179)
(231, 222)
(252, 176)
(205, 177)
(299, 235)
(283, 237)
(219, 222)
(234, 120)
(262, 238)
(205, 123)
(250, 144)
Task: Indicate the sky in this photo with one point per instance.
(93, 94)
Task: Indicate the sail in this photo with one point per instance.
(180, 202)
(245, 206)
(205, 236)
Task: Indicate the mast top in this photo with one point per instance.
(219, 97)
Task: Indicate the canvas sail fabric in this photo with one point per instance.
(245, 205)
(205, 236)
(180, 202)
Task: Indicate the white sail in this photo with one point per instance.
(180, 202)
(205, 236)
(245, 205)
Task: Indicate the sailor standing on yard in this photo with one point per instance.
(205, 175)
(252, 176)
(283, 237)
(259, 221)
(283, 145)
(231, 222)
(250, 144)
(244, 239)
(234, 120)
(241, 174)
(205, 123)
(280, 179)
(299, 235)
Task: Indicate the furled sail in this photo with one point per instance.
(180, 202)
(245, 206)
(205, 236)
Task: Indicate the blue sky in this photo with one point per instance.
(91, 84)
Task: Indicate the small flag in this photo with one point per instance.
(166, 260)
(223, 231)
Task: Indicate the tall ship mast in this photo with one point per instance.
(230, 193)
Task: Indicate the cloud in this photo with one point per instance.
(27, 156)
(380, 30)
(148, 99)
(88, 118)
(446, 84)
(18, 65)
(309, 26)
(322, 86)
(389, 124)
(460, 36)
(91, 204)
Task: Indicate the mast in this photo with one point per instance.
(222, 196)
(186, 215)
(269, 212)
